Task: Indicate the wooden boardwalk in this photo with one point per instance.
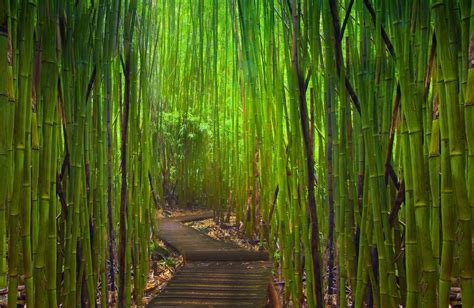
(215, 274)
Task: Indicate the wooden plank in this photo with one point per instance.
(195, 217)
(177, 302)
(225, 255)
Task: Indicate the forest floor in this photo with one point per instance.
(165, 262)
(229, 232)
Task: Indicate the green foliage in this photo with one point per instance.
(63, 103)
(339, 132)
(337, 104)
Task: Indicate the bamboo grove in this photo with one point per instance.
(75, 203)
(339, 132)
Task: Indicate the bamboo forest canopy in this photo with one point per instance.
(339, 132)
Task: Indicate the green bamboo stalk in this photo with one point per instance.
(6, 141)
(447, 212)
(49, 99)
(25, 84)
(456, 149)
(124, 250)
(469, 119)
